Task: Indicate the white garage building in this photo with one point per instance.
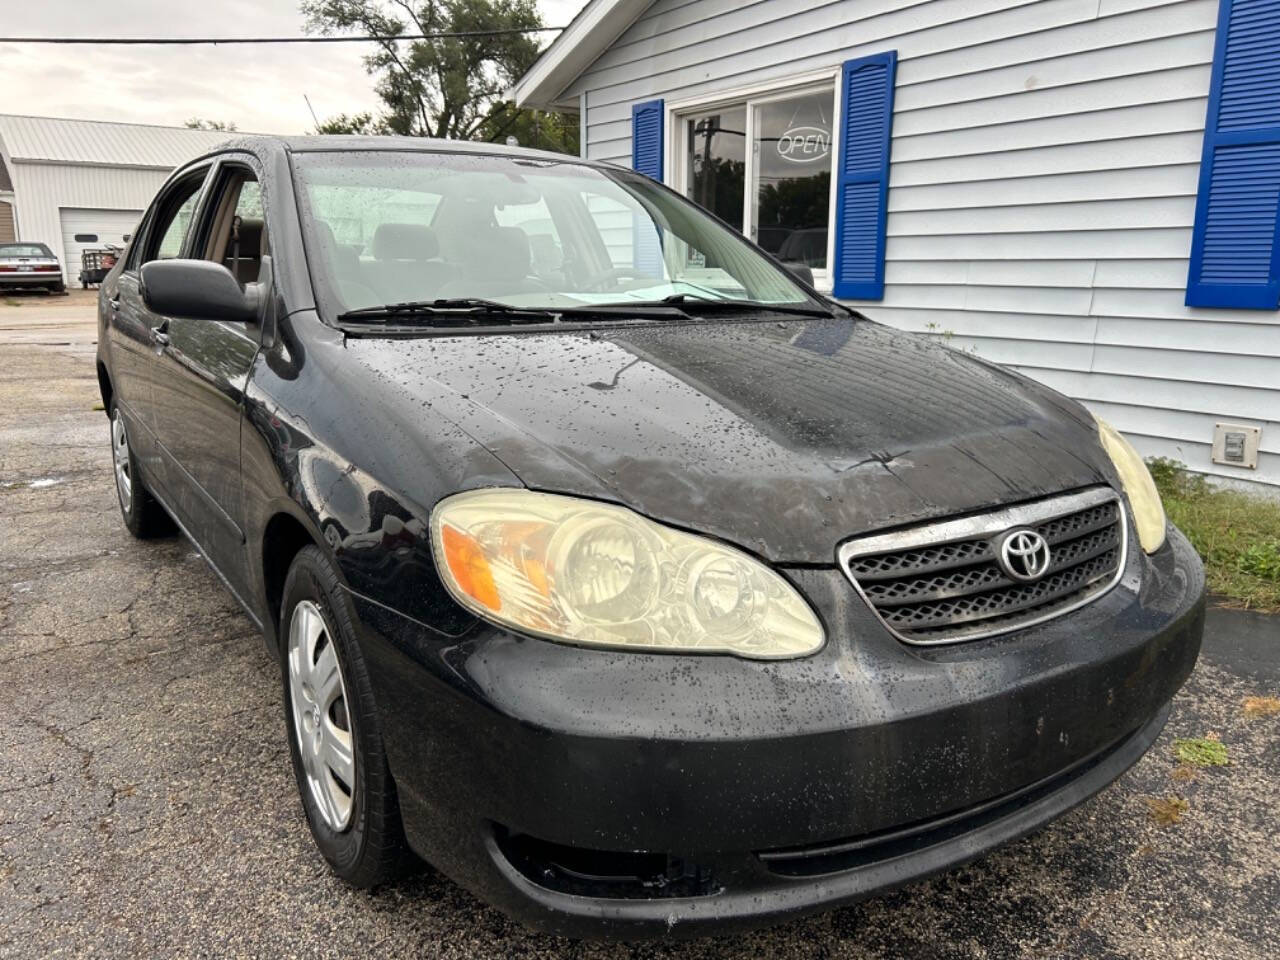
(73, 184)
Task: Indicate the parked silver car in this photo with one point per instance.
(30, 265)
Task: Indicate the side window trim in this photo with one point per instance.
(139, 242)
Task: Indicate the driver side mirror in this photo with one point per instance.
(199, 289)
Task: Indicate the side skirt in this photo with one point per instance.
(249, 611)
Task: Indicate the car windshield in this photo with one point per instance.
(24, 250)
(416, 227)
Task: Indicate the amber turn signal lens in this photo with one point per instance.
(469, 567)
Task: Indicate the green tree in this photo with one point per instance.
(363, 123)
(450, 87)
(196, 123)
(531, 128)
(799, 202)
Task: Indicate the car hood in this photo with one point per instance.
(782, 437)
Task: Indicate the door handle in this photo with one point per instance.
(159, 337)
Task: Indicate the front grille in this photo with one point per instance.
(943, 582)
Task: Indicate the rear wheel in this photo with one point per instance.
(142, 515)
(339, 762)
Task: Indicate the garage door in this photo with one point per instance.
(84, 229)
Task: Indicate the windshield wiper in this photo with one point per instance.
(699, 303)
(604, 311)
(458, 310)
(476, 311)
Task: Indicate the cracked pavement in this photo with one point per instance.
(147, 807)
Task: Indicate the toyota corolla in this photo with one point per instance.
(609, 567)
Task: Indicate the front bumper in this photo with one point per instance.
(738, 793)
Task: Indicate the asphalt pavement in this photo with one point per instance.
(147, 807)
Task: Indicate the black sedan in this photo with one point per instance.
(610, 568)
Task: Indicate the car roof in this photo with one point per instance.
(330, 143)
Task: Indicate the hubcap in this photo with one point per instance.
(120, 457)
(320, 722)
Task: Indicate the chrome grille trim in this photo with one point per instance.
(951, 564)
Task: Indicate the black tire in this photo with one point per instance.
(370, 848)
(60, 290)
(143, 516)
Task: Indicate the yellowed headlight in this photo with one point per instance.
(1144, 498)
(600, 575)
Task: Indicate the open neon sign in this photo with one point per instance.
(804, 144)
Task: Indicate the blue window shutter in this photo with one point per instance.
(646, 138)
(1235, 244)
(862, 177)
(646, 158)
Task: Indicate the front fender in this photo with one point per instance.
(323, 445)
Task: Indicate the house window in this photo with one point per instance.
(763, 164)
(716, 169)
(791, 178)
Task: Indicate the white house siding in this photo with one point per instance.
(1044, 171)
(44, 188)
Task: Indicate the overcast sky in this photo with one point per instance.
(259, 88)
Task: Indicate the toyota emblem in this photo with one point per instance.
(1024, 555)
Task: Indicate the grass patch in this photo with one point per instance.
(1261, 706)
(1236, 534)
(1201, 752)
(1167, 810)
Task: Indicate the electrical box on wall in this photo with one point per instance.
(1236, 445)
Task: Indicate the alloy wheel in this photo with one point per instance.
(120, 458)
(321, 723)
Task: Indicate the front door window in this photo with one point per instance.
(172, 220)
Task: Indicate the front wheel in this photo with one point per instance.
(347, 791)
